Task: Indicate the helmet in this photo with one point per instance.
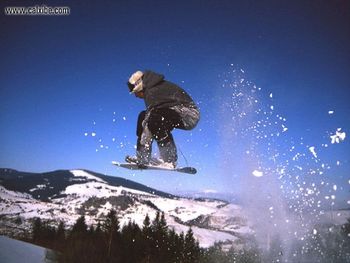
(135, 83)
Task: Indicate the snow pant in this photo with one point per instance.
(157, 124)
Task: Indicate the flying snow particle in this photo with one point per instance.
(93, 134)
(124, 118)
(335, 187)
(257, 173)
(284, 128)
(315, 232)
(86, 134)
(338, 136)
(312, 150)
(271, 107)
(271, 95)
(330, 112)
(299, 167)
(310, 191)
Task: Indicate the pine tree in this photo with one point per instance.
(77, 246)
(180, 246)
(159, 238)
(80, 226)
(131, 243)
(61, 232)
(163, 224)
(191, 251)
(173, 250)
(146, 239)
(147, 229)
(146, 223)
(37, 229)
(156, 221)
(60, 237)
(110, 229)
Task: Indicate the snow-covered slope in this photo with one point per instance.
(66, 195)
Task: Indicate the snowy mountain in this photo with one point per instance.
(66, 195)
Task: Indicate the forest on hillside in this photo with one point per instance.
(155, 242)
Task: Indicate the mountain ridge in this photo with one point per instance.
(65, 195)
(8, 174)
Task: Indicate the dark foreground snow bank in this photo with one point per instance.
(14, 251)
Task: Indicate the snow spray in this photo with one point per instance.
(285, 188)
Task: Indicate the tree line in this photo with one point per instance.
(155, 242)
(109, 242)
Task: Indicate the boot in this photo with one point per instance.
(142, 157)
(167, 150)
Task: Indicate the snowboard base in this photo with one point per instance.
(134, 166)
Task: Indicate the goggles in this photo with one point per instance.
(132, 86)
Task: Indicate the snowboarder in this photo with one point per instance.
(167, 107)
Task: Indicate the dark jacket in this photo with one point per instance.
(159, 93)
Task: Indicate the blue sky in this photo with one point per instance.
(63, 77)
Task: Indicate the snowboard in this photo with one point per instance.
(134, 166)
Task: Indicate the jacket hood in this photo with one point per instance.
(151, 79)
